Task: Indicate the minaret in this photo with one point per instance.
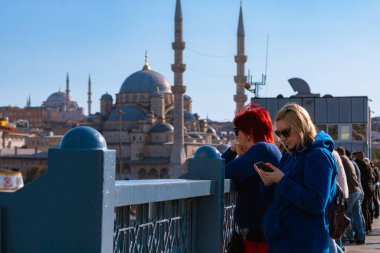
(178, 156)
(240, 59)
(89, 95)
(67, 93)
(28, 102)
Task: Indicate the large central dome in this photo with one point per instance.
(57, 102)
(145, 81)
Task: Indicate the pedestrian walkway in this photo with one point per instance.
(372, 241)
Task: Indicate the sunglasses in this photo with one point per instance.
(236, 131)
(284, 132)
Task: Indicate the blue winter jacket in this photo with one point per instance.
(251, 203)
(295, 220)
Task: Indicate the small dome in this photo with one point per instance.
(106, 97)
(129, 113)
(162, 128)
(145, 81)
(187, 116)
(211, 130)
(187, 97)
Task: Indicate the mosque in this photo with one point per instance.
(59, 107)
(139, 126)
(151, 124)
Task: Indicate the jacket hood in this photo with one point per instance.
(323, 140)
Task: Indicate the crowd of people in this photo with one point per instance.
(281, 204)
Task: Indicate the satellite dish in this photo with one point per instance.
(299, 85)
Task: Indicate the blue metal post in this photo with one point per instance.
(208, 226)
(71, 207)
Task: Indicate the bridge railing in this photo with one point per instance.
(77, 206)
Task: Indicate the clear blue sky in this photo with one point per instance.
(334, 45)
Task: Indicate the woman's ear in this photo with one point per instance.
(249, 137)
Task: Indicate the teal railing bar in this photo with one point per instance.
(135, 192)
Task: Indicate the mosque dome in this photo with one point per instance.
(187, 116)
(106, 97)
(145, 81)
(162, 128)
(130, 113)
(57, 101)
(58, 96)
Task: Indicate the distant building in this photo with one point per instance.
(15, 156)
(43, 142)
(375, 124)
(12, 138)
(58, 113)
(28, 161)
(345, 119)
(34, 116)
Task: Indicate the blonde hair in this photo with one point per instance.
(299, 120)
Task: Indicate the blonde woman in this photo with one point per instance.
(295, 221)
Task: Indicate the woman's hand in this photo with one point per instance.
(238, 149)
(269, 178)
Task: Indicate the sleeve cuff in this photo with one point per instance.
(229, 155)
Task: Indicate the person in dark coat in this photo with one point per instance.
(367, 181)
(305, 183)
(353, 201)
(255, 143)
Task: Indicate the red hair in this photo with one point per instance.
(255, 120)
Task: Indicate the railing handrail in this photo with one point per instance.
(135, 192)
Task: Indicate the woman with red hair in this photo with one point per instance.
(255, 143)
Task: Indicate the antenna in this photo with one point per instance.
(257, 85)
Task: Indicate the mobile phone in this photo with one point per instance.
(262, 166)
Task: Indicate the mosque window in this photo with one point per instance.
(164, 173)
(142, 173)
(152, 173)
(358, 132)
